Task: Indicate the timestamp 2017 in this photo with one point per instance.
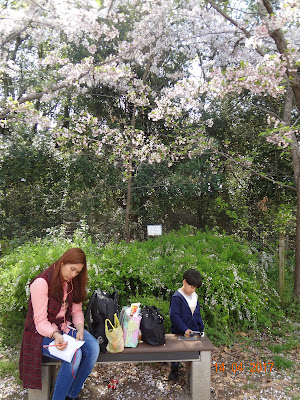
(240, 367)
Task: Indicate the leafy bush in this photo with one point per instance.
(8, 367)
(235, 295)
(282, 362)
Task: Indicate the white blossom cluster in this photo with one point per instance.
(38, 41)
(282, 135)
(266, 77)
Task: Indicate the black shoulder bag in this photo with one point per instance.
(102, 305)
(152, 326)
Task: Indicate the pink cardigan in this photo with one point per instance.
(39, 299)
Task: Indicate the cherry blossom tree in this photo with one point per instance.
(275, 37)
(57, 52)
(247, 47)
(129, 67)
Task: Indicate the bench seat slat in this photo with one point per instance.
(189, 350)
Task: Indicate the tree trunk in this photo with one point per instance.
(127, 212)
(297, 251)
(288, 106)
(130, 164)
(281, 262)
(129, 180)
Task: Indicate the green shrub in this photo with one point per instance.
(235, 294)
(282, 363)
(8, 367)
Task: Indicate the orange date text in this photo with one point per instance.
(239, 367)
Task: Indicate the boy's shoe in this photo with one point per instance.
(173, 376)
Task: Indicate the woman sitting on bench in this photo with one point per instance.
(55, 308)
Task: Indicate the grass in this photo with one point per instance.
(9, 362)
(280, 348)
(251, 386)
(282, 363)
(9, 367)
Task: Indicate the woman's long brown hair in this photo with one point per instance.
(71, 256)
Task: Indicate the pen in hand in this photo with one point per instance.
(56, 345)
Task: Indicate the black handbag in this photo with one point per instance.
(152, 326)
(102, 306)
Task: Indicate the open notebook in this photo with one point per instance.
(68, 353)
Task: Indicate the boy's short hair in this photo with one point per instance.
(193, 277)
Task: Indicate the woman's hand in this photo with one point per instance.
(59, 341)
(80, 331)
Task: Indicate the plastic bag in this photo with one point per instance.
(114, 335)
(131, 326)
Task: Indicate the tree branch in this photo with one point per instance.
(282, 185)
(279, 39)
(235, 23)
(52, 89)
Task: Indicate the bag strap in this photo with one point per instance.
(108, 320)
(116, 321)
(88, 312)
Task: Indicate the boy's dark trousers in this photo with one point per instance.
(173, 376)
(174, 371)
(174, 366)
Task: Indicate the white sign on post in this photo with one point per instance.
(154, 230)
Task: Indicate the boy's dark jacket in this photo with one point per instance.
(182, 317)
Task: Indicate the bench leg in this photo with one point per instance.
(48, 378)
(199, 377)
(188, 365)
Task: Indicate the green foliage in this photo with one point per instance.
(290, 344)
(285, 218)
(182, 194)
(31, 183)
(8, 367)
(289, 303)
(254, 171)
(236, 293)
(282, 363)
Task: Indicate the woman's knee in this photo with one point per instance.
(91, 345)
(76, 359)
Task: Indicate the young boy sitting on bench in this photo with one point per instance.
(185, 311)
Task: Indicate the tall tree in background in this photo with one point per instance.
(251, 47)
(272, 23)
(132, 61)
(238, 47)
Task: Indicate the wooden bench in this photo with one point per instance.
(195, 354)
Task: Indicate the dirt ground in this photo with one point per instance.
(247, 370)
